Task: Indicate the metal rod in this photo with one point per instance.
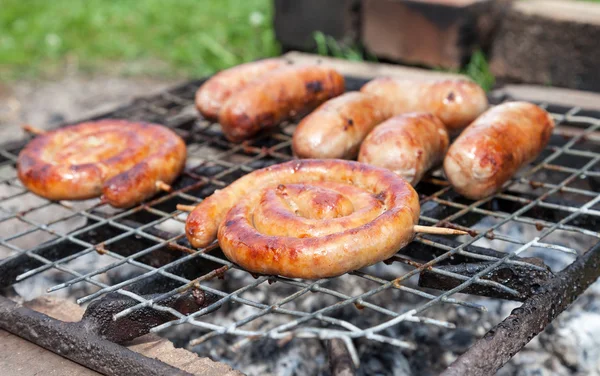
(503, 341)
(75, 342)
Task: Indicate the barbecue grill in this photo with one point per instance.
(150, 279)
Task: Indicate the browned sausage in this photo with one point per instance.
(491, 150)
(121, 160)
(282, 94)
(337, 127)
(407, 144)
(455, 102)
(308, 218)
(214, 93)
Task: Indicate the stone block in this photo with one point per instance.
(550, 43)
(434, 33)
(296, 21)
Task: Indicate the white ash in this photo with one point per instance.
(575, 341)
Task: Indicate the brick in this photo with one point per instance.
(296, 21)
(550, 43)
(433, 33)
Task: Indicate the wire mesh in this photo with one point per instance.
(557, 195)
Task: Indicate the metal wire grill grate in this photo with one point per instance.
(557, 196)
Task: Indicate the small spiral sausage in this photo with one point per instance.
(214, 92)
(308, 218)
(338, 126)
(408, 144)
(120, 160)
(455, 102)
(277, 96)
(491, 150)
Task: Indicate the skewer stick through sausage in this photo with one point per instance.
(123, 161)
(33, 130)
(309, 218)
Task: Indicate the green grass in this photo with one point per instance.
(162, 37)
(152, 37)
(328, 46)
(479, 71)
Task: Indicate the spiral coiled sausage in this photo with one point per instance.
(122, 161)
(308, 218)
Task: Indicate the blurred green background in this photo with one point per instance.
(161, 38)
(132, 37)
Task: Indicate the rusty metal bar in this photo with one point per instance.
(503, 341)
(75, 342)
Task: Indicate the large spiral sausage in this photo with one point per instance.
(281, 94)
(455, 102)
(495, 146)
(407, 144)
(125, 162)
(214, 93)
(308, 218)
(337, 127)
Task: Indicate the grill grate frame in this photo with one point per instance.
(174, 108)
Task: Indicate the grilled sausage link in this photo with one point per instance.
(491, 150)
(121, 160)
(455, 102)
(407, 144)
(337, 127)
(308, 218)
(282, 94)
(214, 92)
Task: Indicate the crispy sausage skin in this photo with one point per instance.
(308, 218)
(121, 160)
(491, 150)
(407, 144)
(277, 96)
(214, 92)
(337, 127)
(455, 102)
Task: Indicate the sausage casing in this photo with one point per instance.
(214, 92)
(282, 94)
(118, 159)
(491, 150)
(455, 102)
(308, 218)
(338, 126)
(407, 144)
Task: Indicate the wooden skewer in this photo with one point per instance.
(417, 228)
(438, 230)
(163, 186)
(185, 208)
(33, 130)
